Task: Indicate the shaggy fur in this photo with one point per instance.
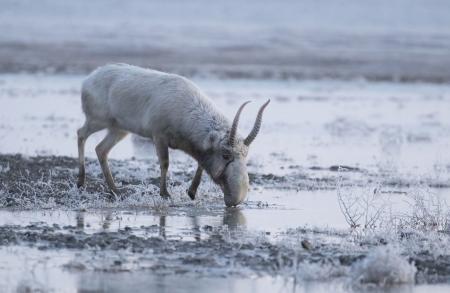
(172, 111)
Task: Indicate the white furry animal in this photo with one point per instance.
(174, 113)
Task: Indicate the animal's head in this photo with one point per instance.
(227, 161)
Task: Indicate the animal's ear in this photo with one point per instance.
(211, 140)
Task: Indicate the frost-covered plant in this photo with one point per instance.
(4, 169)
(371, 208)
(362, 208)
(55, 187)
(429, 211)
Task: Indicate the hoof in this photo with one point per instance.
(81, 178)
(115, 193)
(191, 194)
(165, 195)
(80, 183)
(119, 193)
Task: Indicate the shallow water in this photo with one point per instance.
(46, 275)
(269, 211)
(400, 128)
(287, 210)
(73, 270)
(392, 138)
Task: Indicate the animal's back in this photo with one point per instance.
(140, 100)
(106, 83)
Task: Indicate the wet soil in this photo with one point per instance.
(33, 182)
(48, 182)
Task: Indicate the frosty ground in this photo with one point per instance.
(349, 182)
(350, 175)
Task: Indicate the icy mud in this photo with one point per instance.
(349, 190)
(295, 235)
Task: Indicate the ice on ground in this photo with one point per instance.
(265, 236)
(384, 266)
(42, 113)
(368, 140)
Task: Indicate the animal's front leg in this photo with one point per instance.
(195, 183)
(162, 150)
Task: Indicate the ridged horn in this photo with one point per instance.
(234, 126)
(257, 125)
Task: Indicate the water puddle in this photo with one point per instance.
(79, 241)
(41, 115)
(287, 210)
(31, 270)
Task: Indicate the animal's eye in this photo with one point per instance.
(226, 155)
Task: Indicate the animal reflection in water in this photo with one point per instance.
(232, 218)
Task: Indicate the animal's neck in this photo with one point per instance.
(203, 133)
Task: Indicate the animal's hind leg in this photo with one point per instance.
(102, 150)
(162, 150)
(83, 133)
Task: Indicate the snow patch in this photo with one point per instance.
(318, 271)
(384, 266)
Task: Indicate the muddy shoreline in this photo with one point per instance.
(42, 177)
(224, 249)
(219, 252)
(33, 182)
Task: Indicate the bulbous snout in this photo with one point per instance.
(235, 184)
